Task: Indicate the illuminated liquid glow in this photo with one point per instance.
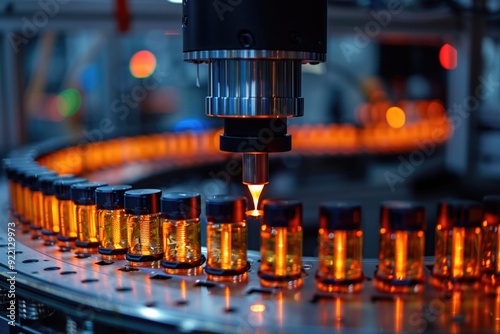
(225, 246)
(401, 255)
(144, 238)
(12, 193)
(497, 310)
(401, 259)
(112, 226)
(457, 252)
(116, 227)
(498, 252)
(51, 214)
(68, 227)
(180, 230)
(281, 251)
(340, 241)
(28, 205)
(281, 256)
(37, 208)
(86, 222)
(340, 258)
(442, 252)
(181, 240)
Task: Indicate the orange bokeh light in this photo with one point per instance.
(142, 64)
(395, 117)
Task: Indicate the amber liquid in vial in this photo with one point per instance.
(27, 214)
(182, 244)
(113, 232)
(340, 260)
(68, 227)
(19, 200)
(281, 256)
(37, 202)
(442, 264)
(400, 260)
(50, 221)
(88, 233)
(465, 266)
(144, 240)
(227, 249)
(489, 256)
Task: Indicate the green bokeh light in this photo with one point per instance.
(69, 102)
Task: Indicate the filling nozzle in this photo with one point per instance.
(255, 176)
(255, 168)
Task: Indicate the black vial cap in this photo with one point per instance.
(10, 165)
(21, 172)
(459, 213)
(142, 201)
(340, 216)
(491, 209)
(222, 209)
(33, 177)
(84, 193)
(46, 183)
(111, 197)
(181, 205)
(62, 188)
(402, 216)
(282, 212)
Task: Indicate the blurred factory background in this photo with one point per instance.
(414, 83)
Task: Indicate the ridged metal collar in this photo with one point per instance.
(207, 55)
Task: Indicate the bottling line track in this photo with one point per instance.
(93, 296)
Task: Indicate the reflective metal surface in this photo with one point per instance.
(255, 168)
(207, 55)
(254, 88)
(146, 300)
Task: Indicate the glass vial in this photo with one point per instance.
(226, 238)
(490, 252)
(112, 221)
(281, 244)
(401, 248)
(25, 196)
(441, 270)
(458, 240)
(10, 166)
(50, 212)
(340, 247)
(143, 225)
(182, 233)
(68, 230)
(36, 211)
(83, 196)
(18, 188)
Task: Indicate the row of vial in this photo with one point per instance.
(146, 228)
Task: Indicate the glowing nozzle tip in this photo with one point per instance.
(255, 191)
